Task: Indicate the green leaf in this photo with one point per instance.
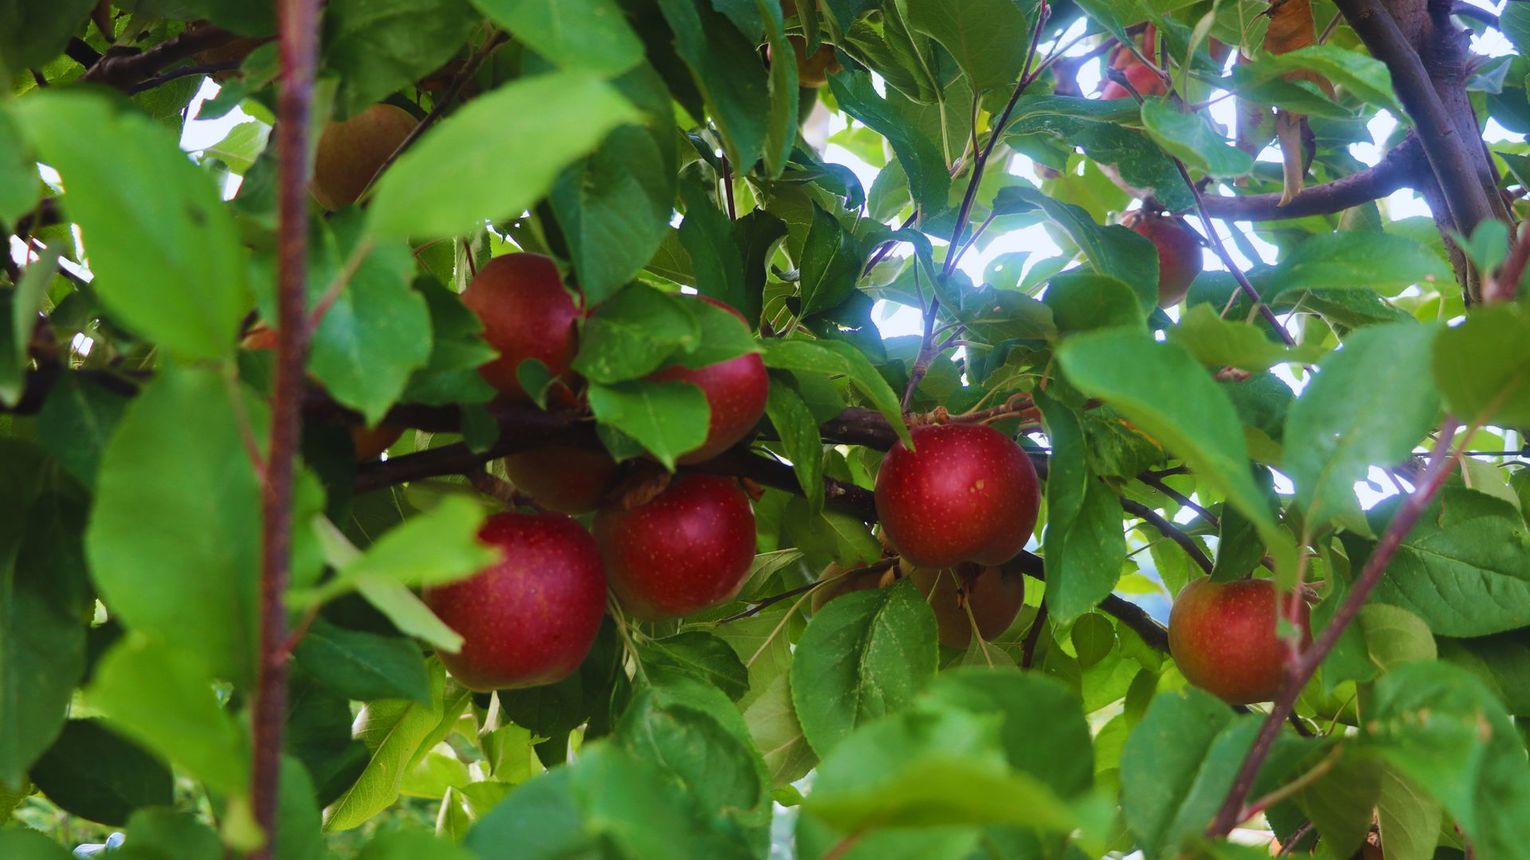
(987, 38)
(1503, 661)
(1042, 730)
(1394, 636)
(364, 666)
(171, 834)
(1464, 568)
(830, 264)
(1341, 803)
(724, 67)
(95, 773)
(178, 460)
(1189, 137)
(709, 239)
(1113, 250)
(1408, 816)
(777, 733)
(667, 418)
(408, 613)
(1218, 342)
(380, 46)
(162, 697)
(437, 547)
(592, 695)
(1105, 131)
(838, 358)
(490, 159)
(1370, 403)
(1082, 300)
(1083, 542)
(31, 34)
(865, 654)
(76, 422)
(929, 180)
(1161, 389)
(19, 183)
(1360, 75)
(377, 331)
(20, 308)
(1482, 365)
(44, 601)
(1348, 260)
(699, 655)
(412, 845)
(143, 207)
(457, 349)
(584, 34)
(1184, 741)
(396, 733)
(633, 333)
(930, 767)
(800, 439)
(614, 206)
(21, 843)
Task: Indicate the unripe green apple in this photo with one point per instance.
(1223, 638)
(526, 313)
(531, 617)
(993, 595)
(350, 152)
(966, 492)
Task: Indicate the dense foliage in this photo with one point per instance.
(1192, 337)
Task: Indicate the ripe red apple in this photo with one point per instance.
(530, 617)
(350, 152)
(1180, 258)
(736, 391)
(687, 549)
(1143, 79)
(994, 596)
(965, 493)
(564, 479)
(526, 313)
(1222, 636)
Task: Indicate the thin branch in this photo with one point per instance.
(1184, 500)
(1503, 285)
(182, 72)
(766, 602)
(1168, 530)
(1441, 462)
(1396, 170)
(123, 68)
(1033, 638)
(299, 36)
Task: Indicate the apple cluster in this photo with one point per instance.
(531, 617)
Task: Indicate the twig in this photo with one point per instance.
(182, 72)
(765, 603)
(727, 183)
(1505, 282)
(123, 68)
(1297, 676)
(1397, 169)
(299, 36)
(1295, 786)
(1168, 530)
(1184, 500)
(1033, 637)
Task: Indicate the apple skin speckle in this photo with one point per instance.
(966, 493)
(531, 617)
(1222, 636)
(687, 549)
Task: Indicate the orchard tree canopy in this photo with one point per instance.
(451, 429)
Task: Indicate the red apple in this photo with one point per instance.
(687, 549)
(965, 493)
(530, 617)
(736, 391)
(994, 596)
(563, 479)
(1222, 636)
(1143, 79)
(526, 313)
(350, 152)
(1180, 258)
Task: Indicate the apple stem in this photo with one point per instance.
(299, 39)
(1441, 462)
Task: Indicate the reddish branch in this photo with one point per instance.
(299, 29)
(1301, 670)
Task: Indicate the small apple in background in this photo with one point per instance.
(994, 596)
(837, 581)
(526, 313)
(531, 617)
(350, 152)
(965, 493)
(1180, 258)
(564, 479)
(687, 549)
(813, 69)
(736, 392)
(1222, 636)
(1143, 79)
(368, 442)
